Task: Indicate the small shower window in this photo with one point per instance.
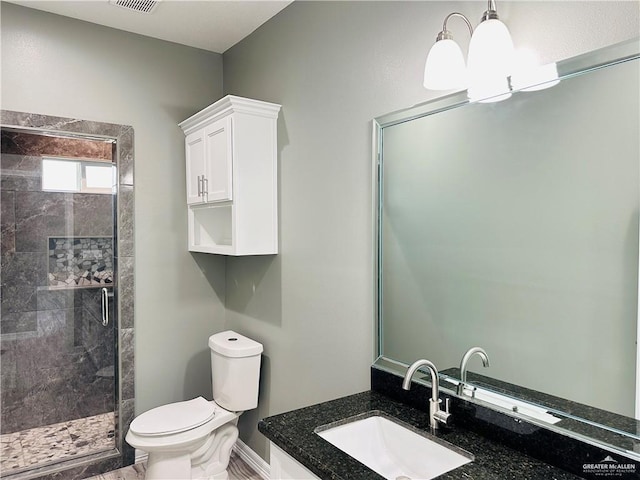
(60, 175)
(77, 176)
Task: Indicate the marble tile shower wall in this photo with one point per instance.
(96, 340)
(123, 329)
(53, 342)
(23, 143)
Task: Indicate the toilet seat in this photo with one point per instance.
(174, 418)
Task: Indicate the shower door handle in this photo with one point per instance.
(106, 295)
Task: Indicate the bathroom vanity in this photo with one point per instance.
(501, 445)
(297, 451)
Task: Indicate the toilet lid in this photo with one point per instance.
(174, 417)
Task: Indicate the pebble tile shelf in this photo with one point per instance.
(80, 262)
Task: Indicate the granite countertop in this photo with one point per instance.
(294, 433)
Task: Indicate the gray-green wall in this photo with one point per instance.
(334, 66)
(62, 67)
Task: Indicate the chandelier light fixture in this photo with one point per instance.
(488, 74)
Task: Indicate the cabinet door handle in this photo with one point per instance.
(205, 186)
(199, 185)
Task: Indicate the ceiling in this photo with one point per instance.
(208, 24)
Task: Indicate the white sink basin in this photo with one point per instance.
(394, 451)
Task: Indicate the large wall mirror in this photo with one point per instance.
(513, 226)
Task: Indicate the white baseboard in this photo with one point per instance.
(141, 456)
(252, 459)
(249, 457)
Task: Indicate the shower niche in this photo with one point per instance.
(80, 262)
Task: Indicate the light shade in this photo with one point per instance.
(445, 69)
(489, 91)
(490, 61)
(535, 78)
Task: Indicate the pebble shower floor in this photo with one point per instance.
(54, 443)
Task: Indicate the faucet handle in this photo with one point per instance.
(443, 416)
(464, 389)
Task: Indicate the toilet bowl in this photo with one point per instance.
(193, 439)
(186, 440)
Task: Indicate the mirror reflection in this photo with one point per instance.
(513, 226)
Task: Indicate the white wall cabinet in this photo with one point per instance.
(232, 177)
(285, 467)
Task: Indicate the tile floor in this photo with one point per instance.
(238, 470)
(53, 443)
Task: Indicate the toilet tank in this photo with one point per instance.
(235, 370)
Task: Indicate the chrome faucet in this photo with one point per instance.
(463, 366)
(435, 414)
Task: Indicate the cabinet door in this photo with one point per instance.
(285, 467)
(219, 160)
(194, 144)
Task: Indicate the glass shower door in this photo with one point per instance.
(57, 318)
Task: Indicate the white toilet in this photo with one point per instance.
(193, 439)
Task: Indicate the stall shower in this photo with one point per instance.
(67, 279)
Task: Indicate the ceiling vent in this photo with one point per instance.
(142, 6)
